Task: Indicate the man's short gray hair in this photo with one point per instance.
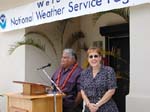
(70, 52)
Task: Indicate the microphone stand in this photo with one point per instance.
(51, 80)
(55, 108)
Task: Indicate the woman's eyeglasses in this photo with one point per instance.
(93, 56)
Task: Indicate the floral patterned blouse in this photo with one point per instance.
(96, 87)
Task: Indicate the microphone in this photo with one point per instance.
(45, 66)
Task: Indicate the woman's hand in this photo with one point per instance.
(92, 107)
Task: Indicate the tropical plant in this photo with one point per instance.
(61, 28)
(28, 41)
(114, 55)
(45, 37)
(74, 37)
(31, 41)
(117, 62)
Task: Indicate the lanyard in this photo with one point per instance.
(67, 78)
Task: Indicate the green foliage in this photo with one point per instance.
(43, 36)
(28, 41)
(74, 37)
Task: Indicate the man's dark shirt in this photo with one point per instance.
(72, 86)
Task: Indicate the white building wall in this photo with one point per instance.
(138, 99)
(12, 67)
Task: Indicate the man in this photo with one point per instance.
(66, 78)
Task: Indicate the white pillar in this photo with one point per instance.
(138, 99)
(12, 67)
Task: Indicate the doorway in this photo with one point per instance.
(117, 43)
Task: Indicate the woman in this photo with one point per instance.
(98, 84)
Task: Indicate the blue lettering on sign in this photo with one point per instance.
(40, 4)
(123, 1)
(84, 5)
(21, 20)
(43, 3)
(52, 12)
(47, 3)
(90, 4)
(116, 0)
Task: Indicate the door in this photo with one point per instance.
(117, 44)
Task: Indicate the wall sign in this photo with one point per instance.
(45, 11)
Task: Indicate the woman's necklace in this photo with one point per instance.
(67, 78)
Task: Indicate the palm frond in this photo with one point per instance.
(74, 37)
(28, 41)
(44, 36)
